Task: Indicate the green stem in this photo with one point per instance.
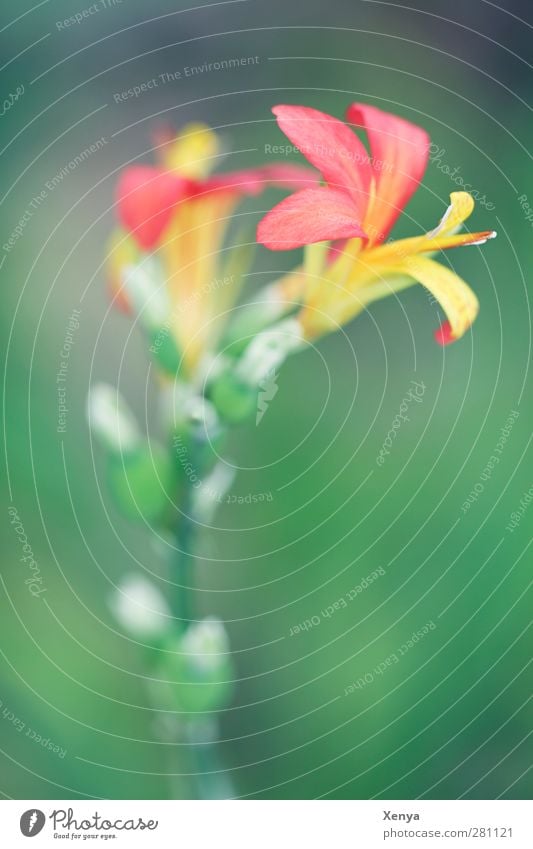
(183, 590)
(196, 739)
(184, 607)
(210, 780)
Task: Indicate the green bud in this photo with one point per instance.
(164, 349)
(268, 350)
(235, 388)
(197, 434)
(234, 399)
(198, 667)
(146, 290)
(141, 481)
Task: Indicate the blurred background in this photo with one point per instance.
(450, 716)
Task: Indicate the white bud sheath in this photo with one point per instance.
(110, 418)
(182, 405)
(268, 350)
(141, 608)
(145, 287)
(211, 492)
(206, 644)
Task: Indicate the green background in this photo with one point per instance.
(451, 718)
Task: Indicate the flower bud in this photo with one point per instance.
(268, 350)
(140, 608)
(164, 348)
(184, 410)
(111, 420)
(198, 667)
(197, 434)
(207, 645)
(234, 399)
(212, 491)
(142, 482)
(235, 390)
(146, 291)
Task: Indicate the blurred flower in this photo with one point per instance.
(363, 196)
(178, 213)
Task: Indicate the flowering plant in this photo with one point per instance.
(174, 270)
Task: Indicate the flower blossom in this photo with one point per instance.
(347, 221)
(175, 217)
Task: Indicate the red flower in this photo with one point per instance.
(147, 196)
(179, 213)
(363, 196)
(364, 193)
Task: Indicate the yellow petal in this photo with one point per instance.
(360, 276)
(442, 237)
(192, 152)
(329, 300)
(290, 289)
(460, 208)
(326, 291)
(122, 251)
(455, 297)
(315, 257)
(320, 285)
(191, 253)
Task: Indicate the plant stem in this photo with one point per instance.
(183, 605)
(183, 590)
(198, 737)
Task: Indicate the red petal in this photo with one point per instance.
(332, 147)
(400, 153)
(290, 176)
(312, 215)
(253, 180)
(443, 335)
(248, 181)
(146, 198)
